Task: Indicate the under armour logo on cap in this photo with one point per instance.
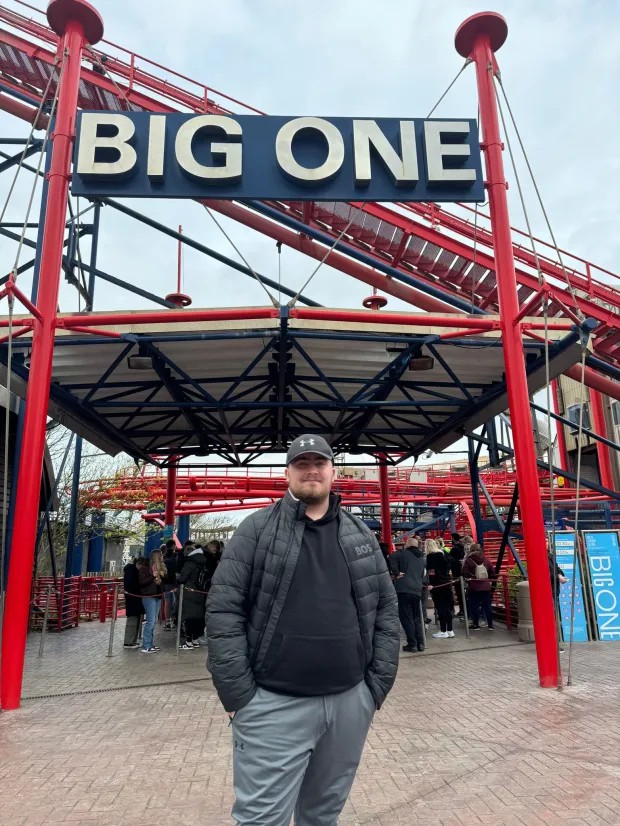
(308, 444)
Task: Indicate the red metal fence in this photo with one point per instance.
(73, 599)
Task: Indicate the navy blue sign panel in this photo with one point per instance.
(247, 157)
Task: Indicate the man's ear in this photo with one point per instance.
(286, 473)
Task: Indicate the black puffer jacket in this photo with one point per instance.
(409, 566)
(250, 586)
(193, 599)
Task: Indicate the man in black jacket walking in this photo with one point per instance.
(302, 629)
(408, 568)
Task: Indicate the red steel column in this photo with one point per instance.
(77, 23)
(562, 451)
(602, 451)
(171, 496)
(384, 493)
(478, 38)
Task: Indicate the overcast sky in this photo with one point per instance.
(560, 66)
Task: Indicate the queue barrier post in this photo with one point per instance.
(462, 587)
(179, 620)
(46, 613)
(113, 619)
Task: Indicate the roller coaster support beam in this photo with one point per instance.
(77, 24)
(384, 493)
(478, 38)
(171, 495)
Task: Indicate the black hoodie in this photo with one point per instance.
(317, 648)
(412, 563)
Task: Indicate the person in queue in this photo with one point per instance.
(151, 577)
(439, 577)
(478, 571)
(169, 584)
(134, 610)
(194, 578)
(302, 627)
(408, 569)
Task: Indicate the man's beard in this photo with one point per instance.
(310, 498)
(313, 499)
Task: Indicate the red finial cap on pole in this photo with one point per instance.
(485, 22)
(61, 12)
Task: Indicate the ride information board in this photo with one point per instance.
(603, 549)
(568, 561)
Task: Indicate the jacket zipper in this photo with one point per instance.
(273, 599)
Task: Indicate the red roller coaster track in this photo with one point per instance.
(210, 491)
(450, 253)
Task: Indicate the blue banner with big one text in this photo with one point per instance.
(603, 549)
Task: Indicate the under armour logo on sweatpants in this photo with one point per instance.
(305, 442)
(238, 745)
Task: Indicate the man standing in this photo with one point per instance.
(408, 567)
(302, 628)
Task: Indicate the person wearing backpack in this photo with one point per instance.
(479, 572)
(195, 578)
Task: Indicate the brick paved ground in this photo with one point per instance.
(466, 737)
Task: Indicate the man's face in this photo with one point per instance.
(310, 478)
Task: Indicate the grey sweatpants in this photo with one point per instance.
(298, 754)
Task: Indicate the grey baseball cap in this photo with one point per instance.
(308, 444)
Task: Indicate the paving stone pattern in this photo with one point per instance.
(466, 737)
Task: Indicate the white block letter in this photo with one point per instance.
(436, 150)
(157, 143)
(404, 169)
(123, 130)
(310, 175)
(231, 169)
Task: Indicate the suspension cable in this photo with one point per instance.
(5, 463)
(542, 206)
(456, 77)
(577, 493)
(38, 172)
(330, 249)
(96, 60)
(29, 139)
(272, 298)
(11, 300)
(541, 278)
(555, 584)
(279, 249)
(545, 307)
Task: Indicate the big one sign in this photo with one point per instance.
(245, 157)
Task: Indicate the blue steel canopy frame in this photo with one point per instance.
(266, 403)
(72, 261)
